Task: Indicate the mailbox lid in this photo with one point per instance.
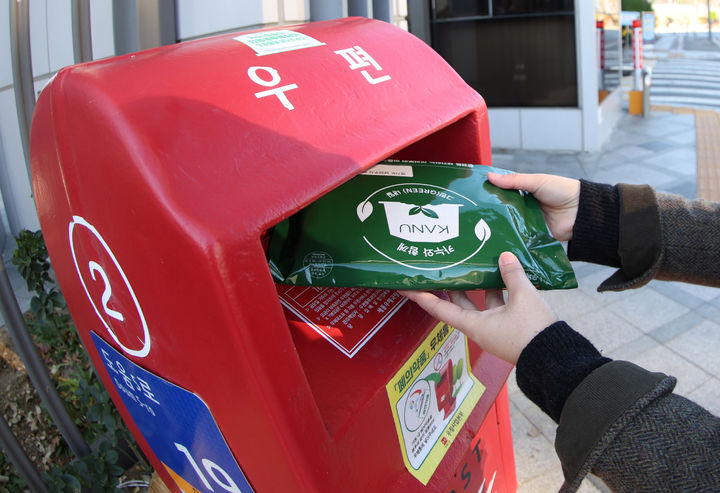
(265, 132)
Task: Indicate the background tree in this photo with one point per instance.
(637, 5)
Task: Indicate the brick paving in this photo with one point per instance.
(707, 127)
(707, 130)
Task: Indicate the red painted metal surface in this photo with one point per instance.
(156, 174)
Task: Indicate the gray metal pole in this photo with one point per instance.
(360, 8)
(19, 458)
(22, 72)
(419, 20)
(36, 369)
(125, 26)
(709, 21)
(381, 10)
(324, 10)
(167, 24)
(82, 37)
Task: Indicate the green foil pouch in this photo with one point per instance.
(417, 225)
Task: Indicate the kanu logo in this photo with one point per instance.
(426, 223)
(432, 221)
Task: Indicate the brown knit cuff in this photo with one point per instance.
(640, 235)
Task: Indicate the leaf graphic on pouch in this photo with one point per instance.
(364, 209)
(414, 211)
(429, 213)
(482, 230)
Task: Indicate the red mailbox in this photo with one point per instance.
(156, 176)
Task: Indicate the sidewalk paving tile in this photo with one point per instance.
(647, 309)
(662, 359)
(700, 345)
(708, 395)
(605, 329)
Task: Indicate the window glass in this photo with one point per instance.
(514, 61)
(445, 9)
(514, 7)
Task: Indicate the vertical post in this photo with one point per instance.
(22, 73)
(19, 458)
(381, 10)
(82, 40)
(323, 10)
(600, 32)
(419, 20)
(281, 12)
(637, 54)
(125, 26)
(360, 8)
(156, 23)
(709, 21)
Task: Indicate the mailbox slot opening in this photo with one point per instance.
(351, 341)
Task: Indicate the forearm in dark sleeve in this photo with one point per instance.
(623, 424)
(553, 364)
(618, 420)
(690, 240)
(647, 235)
(595, 233)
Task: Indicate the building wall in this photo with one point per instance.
(584, 128)
(52, 48)
(581, 128)
(51, 45)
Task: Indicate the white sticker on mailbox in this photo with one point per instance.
(387, 170)
(270, 42)
(431, 397)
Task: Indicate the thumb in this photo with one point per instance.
(516, 181)
(512, 273)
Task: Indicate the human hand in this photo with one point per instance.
(502, 329)
(558, 197)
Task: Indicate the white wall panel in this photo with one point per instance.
(101, 27)
(59, 35)
(587, 64)
(297, 10)
(211, 16)
(271, 12)
(609, 114)
(39, 37)
(504, 128)
(551, 129)
(14, 180)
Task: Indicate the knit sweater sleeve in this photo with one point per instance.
(595, 233)
(624, 424)
(647, 235)
(690, 241)
(617, 420)
(552, 365)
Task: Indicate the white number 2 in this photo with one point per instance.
(107, 293)
(83, 234)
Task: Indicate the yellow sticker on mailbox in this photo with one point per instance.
(431, 397)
